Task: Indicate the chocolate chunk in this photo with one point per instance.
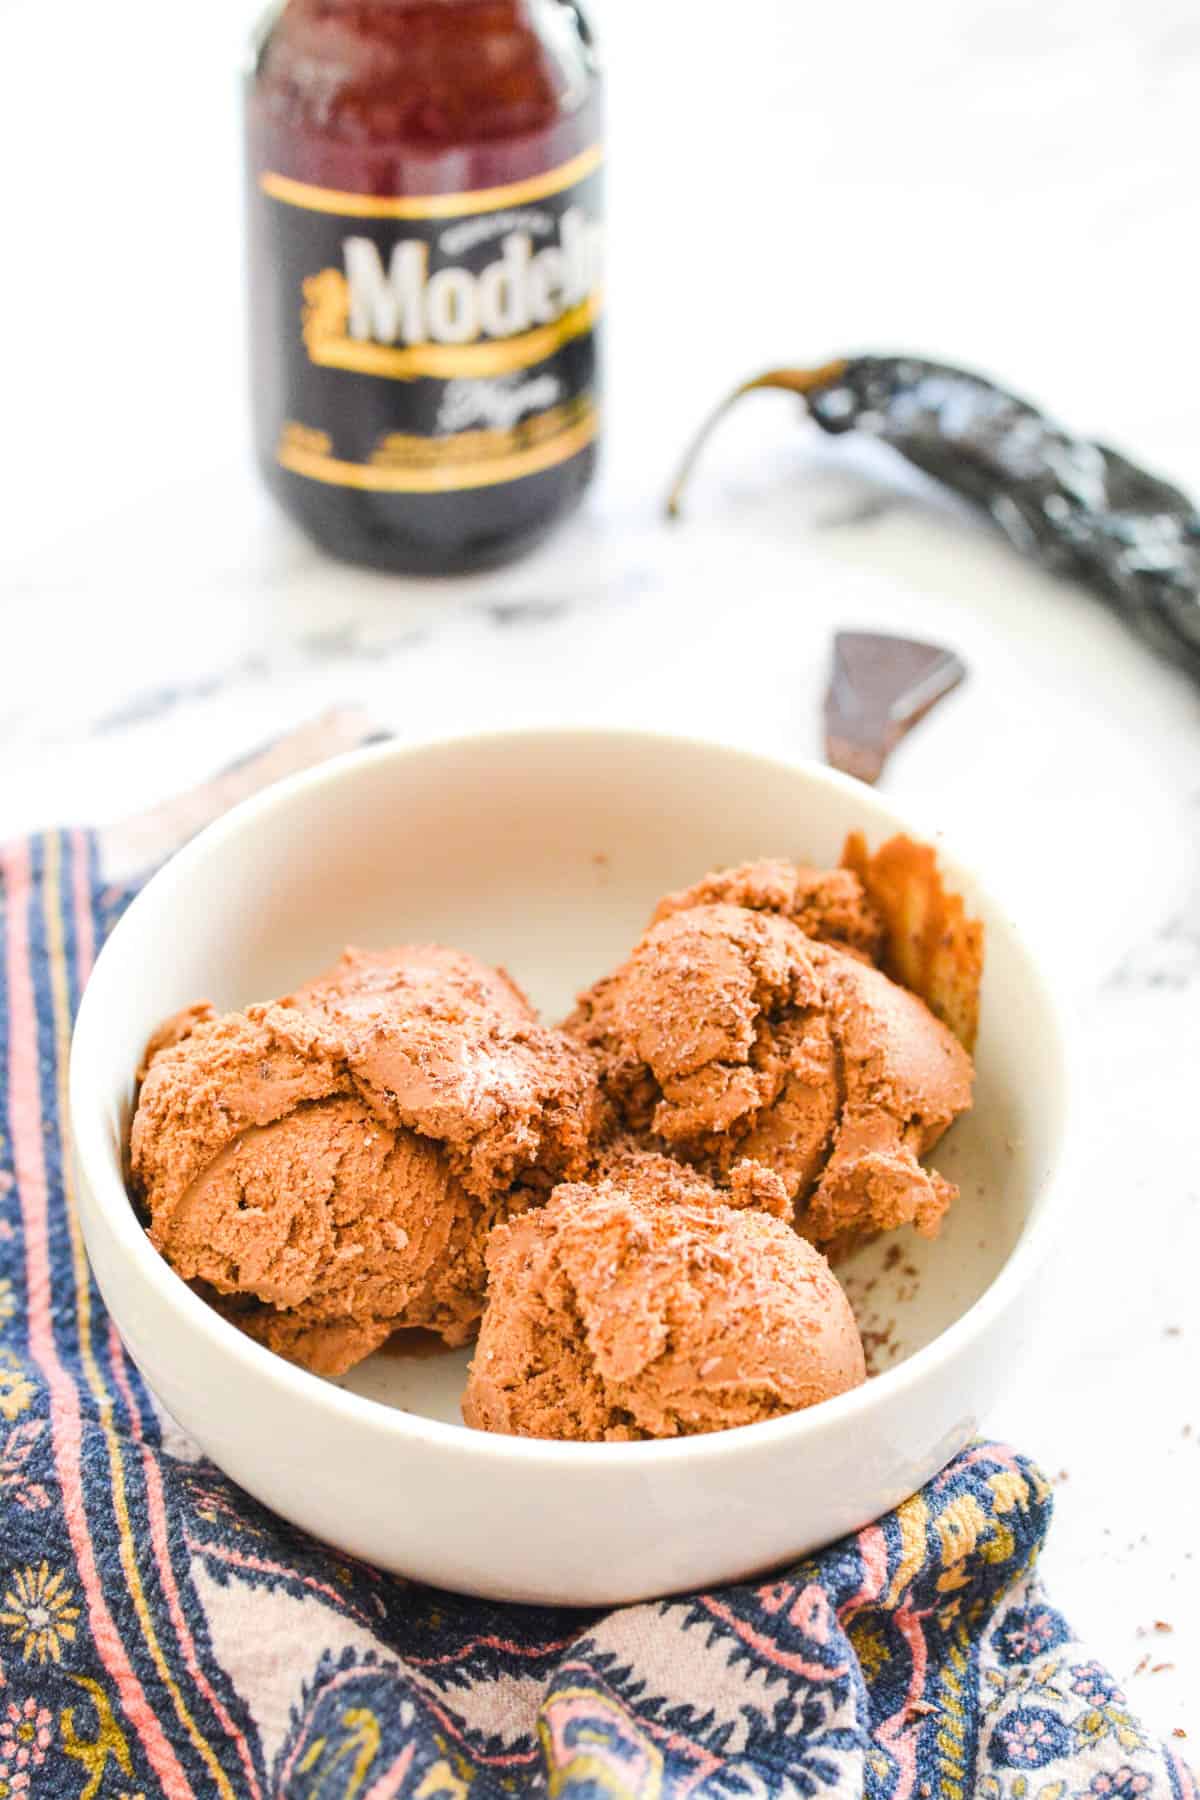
(881, 687)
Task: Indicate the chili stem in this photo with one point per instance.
(792, 381)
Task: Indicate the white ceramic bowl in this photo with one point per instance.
(546, 851)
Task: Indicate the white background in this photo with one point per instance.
(1010, 187)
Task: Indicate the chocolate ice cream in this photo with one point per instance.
(648, 1175)
(830, 905)
(332, 1163)
(619, 1311)
(440, 1043)
(731, 1035)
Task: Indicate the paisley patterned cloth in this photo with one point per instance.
(161, 1634)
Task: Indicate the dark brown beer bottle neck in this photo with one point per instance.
(420, 73)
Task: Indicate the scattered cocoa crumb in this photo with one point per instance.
(1063, 1475)
(1162, 1625)
(1174, 1331)
(878, 1346)
(1159, 1668)
(1179, 1732)
(1142, 1666)
(894, 1255)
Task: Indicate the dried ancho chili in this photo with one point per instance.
(1078, 507)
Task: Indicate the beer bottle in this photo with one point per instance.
(425, 272)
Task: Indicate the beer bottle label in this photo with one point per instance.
(430, 344)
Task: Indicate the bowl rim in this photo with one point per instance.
(104, 1174)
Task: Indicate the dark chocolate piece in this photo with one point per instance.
(880, 688)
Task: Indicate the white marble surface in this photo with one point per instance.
(1009, 187)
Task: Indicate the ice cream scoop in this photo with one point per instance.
(617, 1312)
(329, 1165)
(731, 1035)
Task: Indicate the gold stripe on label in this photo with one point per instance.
(432, 206)
(327, 339)
(382, 478)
